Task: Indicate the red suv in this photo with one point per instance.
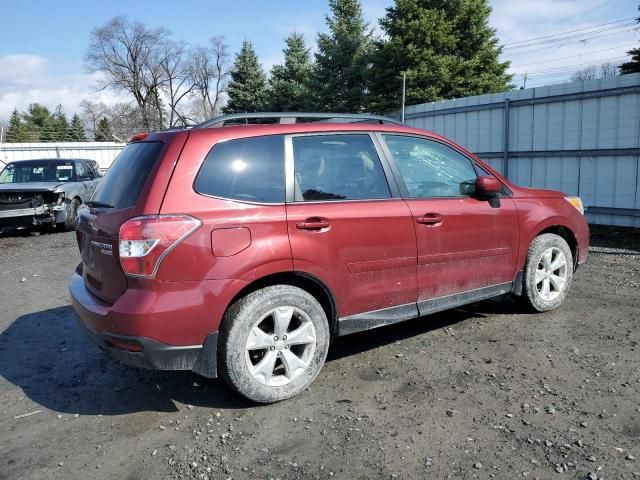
(241, 251)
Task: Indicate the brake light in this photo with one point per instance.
(137, 138)
(144, 241)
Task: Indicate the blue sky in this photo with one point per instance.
(42, 42)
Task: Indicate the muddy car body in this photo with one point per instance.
(240, 251)
(45, 192)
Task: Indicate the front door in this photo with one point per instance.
(347, 228)
(467, 247)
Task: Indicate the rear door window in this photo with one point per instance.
(121, 185)
(248, 169)
(338, 167)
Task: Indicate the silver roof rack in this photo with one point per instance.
(261, 118)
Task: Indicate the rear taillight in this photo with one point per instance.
(144, 241)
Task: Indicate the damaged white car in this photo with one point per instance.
(45, 192)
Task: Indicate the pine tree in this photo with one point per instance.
(60, 125)
(341, 68)
(17, 130)
(290, 83)
(36, 118)
(633, 65)
(103, 131)
(446, 48)
(76, 130)
(247, 89)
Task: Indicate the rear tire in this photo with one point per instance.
(273, 343)
(548, 272)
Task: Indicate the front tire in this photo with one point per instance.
(72, 211)
(273, 343)
(548, 272)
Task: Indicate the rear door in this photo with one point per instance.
(464, 243)
(347, 225)
(124, 191)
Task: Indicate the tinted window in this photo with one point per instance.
(431, 169)
(121, 185)
(337, 167)
(250, 169)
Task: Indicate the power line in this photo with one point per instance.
(570, 31)
(571, 68)
(577, 55)
(614, 30)
(568, 42)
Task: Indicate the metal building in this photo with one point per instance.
(582, 138)
(102, 152)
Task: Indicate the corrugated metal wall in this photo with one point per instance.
(582, 138)
(102, 152)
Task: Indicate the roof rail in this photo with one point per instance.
(292, 117)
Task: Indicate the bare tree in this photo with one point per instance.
(595, 72)
(125, 120)
(180, 82)
(589, 73)
(129, 56)
(210, 69)
(609, 70)
(92, 113)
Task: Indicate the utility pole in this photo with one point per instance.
(524, 81)
(404, 92)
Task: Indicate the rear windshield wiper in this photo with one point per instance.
(94, 203)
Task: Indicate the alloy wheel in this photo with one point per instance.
(280, 346)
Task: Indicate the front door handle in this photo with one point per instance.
(430, 219)
(313, 224)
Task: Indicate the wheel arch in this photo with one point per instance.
(567, 234)
(305, 281)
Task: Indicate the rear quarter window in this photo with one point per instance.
(247, 169)
(121, 185)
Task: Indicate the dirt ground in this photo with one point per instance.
(485, 391)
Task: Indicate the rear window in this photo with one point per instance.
(249, 169)
(121, 185)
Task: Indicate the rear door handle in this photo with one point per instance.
(430, 219)
(313, 224)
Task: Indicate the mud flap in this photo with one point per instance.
(207, 362)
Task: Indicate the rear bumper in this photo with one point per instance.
(103, 325)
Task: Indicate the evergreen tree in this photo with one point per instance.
(247, 89)
(341, 68)
(633, 65)
(36, 116)
(446, 48)
(103, 131)
(60, 125)
(76, 130)
(17, 130)
(290, 83)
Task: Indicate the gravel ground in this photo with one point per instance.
(485, 391)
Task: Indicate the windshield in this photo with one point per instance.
(30, 171)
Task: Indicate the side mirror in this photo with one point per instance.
(487, 187)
